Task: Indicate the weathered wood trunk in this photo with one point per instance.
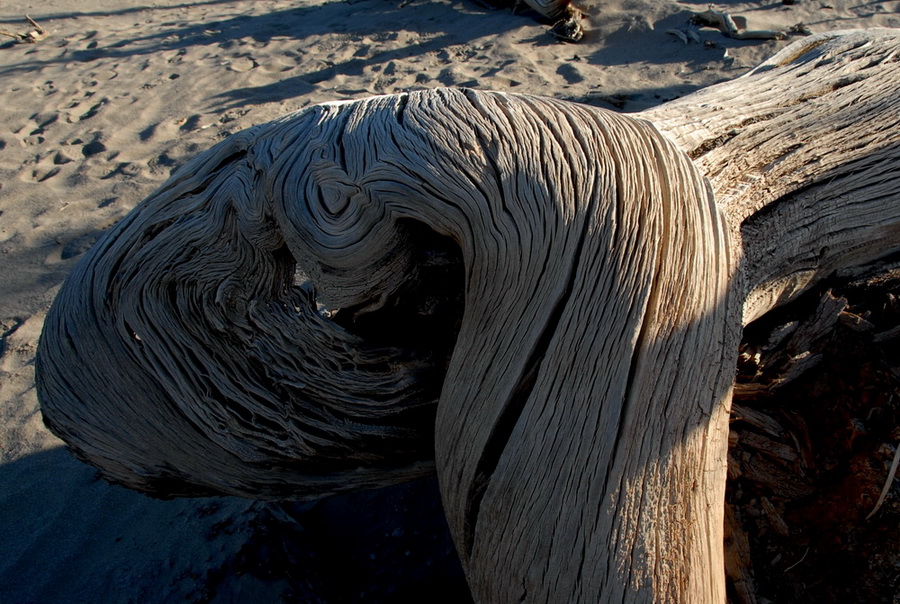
(610, 261)
(802, 153)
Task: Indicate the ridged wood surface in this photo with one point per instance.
(245, 330)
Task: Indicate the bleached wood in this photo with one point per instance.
(581, 426)
(802, 153)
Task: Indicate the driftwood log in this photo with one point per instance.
(542, 299)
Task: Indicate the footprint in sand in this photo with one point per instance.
(93, 110)
(241, 64)
(41, 168)
(43, 121)
(125, 169)
(33, 132)
(78, 246)
(89, 35)
(148, 132)
(570, 73)
(95, 147)
(178, 57)
(190, 123)
(163, 164)
(62, 158)
(41, 176)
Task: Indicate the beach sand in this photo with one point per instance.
(119, 94)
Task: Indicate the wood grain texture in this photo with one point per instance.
(802, 155)
(578, 414)
(180, 357)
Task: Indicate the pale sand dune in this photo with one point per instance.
(99, 113)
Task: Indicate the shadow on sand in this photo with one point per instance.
(70, 537)
(384, 20)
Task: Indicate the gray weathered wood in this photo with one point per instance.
(581, 425)
(802, 153)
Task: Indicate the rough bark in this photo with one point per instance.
(581, 420)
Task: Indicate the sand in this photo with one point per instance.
(98, 114)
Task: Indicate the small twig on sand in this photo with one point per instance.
(35, 35)
(725, 23)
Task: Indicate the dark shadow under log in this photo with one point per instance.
(598, 276)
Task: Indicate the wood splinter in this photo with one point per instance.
(30, 37)
(725, 23)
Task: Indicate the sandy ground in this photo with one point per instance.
(120, 93)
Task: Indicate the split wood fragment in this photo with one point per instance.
(724, 22)
(30, 37)
(887, 483)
